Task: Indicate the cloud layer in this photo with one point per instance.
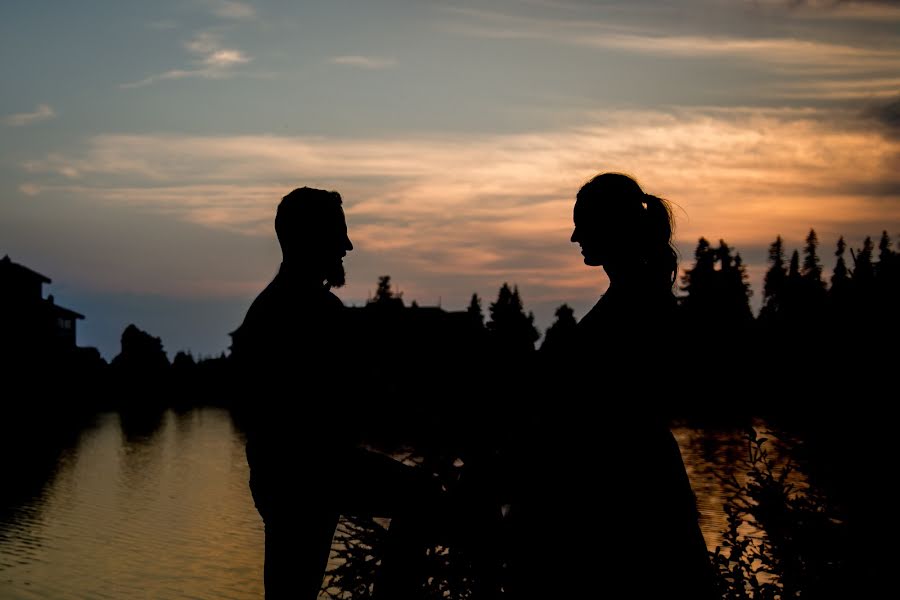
(364, 62)
(498, 207)
(42, 112)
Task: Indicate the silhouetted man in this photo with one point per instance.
(303, 429)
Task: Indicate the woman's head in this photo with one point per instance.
(623, 229)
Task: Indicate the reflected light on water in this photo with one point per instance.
(156, 504)
(149, 505)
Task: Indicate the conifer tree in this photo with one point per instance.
(863, 269)
(474, 310)
(509, 324)
(777, 273)
(385, 296)
(812, 268)
(699, 281)
(841, 276)
(560, 335)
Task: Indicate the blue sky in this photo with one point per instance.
(144, 146)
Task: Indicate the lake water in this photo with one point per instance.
(158, 507)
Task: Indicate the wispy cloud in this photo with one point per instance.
(839, 89)
(43, 112)
(875, 10)
(211, 61)
(364, 62)
(887, 118)
(229, 9)
(784, 52)
(798, 54)
(30, 189)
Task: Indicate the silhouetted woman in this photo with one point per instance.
(608, 510)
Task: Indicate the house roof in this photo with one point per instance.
(8, 266)
(64, 312)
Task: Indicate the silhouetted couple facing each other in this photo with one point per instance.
(602, 504)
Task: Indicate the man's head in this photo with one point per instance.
(312, 232)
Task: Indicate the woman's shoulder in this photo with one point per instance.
(620, 317)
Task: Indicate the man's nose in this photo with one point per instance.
(348, 245)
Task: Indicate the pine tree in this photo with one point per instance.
(886, 271)
(699, 281)
(793, 275)
(884, 249)
(717, 298)
(887, 282)
(841, 276)
(474, 310)
(812, 268)
(841, 292)
(509, 324)
(863, 269)
(733, 290)
(792, 296)
(776, 275)
(742, 279)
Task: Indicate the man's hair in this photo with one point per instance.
(301, 213)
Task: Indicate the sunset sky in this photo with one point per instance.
(144, 146)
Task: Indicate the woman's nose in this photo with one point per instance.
(574, 237)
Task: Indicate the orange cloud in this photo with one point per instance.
(498, 207)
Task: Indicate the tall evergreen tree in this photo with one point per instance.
(774, 283)
(777, 273)
(717, 298)
(841, 276)
(886, 271)
(863, 269)
(699, 281)
(723, 256)
(840, 294)
(887, 276)
(742, 279)
(812, 267)
(509, 324)
(794, 268)
(885, 254)
(733, 288)
(792, 296)
(474, 310)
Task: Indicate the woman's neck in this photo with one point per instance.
(635, 277)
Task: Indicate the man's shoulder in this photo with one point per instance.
(331, 301)
(280, 304)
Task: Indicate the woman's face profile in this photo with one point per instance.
(593, 233)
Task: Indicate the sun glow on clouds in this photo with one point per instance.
(498, 207)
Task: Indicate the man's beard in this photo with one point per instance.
(335, 276)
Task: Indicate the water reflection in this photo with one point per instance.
(155, 503)
(713, 454)
(149, 505)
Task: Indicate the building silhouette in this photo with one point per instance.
(31, 325)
